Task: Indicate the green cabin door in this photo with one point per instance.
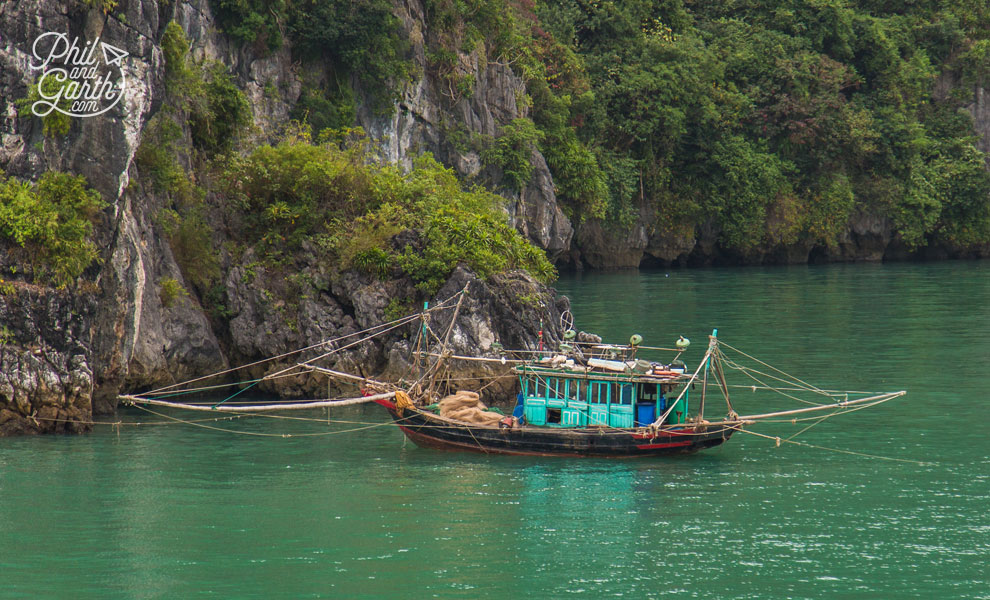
(678, 414)
(556, 402)
(535, 401)
(576, 411)
(598, 403)
(620, 412)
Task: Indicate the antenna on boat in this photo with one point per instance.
(566, 320)
(541, 338)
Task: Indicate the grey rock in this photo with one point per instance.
(429, 110)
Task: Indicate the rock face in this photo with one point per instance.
(511, 310)
(429, 112)
(604, 247)
(128, 340)
(46, 379)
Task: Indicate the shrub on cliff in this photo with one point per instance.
(359, 37)
(335, 197)
(511, 152)
(223, 113)
(52, 220)
(56, 122)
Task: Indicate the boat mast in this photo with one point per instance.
(720, 374)
(712, 342)
(420, 357)
(446, 338)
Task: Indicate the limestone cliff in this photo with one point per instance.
(66, 355)
(126, 339)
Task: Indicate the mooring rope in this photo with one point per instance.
(748, 372)
(262, 434)
(809, 386)
(443, 305)
(780, 441)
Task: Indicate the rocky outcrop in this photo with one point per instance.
(129, 340)
(270, 319)
(46, 377)
(611, 247)
(431, 115)
(538, 216)
(511, 310)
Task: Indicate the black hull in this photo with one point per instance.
(429, 431)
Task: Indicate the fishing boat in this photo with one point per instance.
(616, 407)
(580, 399)
(569, 405)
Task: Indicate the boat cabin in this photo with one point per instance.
(554, 398)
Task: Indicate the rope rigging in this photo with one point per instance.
(428, 377)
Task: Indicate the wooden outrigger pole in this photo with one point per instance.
(783, 413)
(259, 407)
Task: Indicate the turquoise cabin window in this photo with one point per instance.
(625, 394)
(599, 393)
(574, 390)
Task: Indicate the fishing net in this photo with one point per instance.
(466, 406)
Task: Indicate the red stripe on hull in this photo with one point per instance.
(425, 441)
(527, 442)
(667, 445)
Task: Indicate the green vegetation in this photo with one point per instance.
(776, 122)
(511, 153)
(104, 5)
(7, 288)
(371, 217)
(175, 48)
(224, 112)
(772, 124)
(203, 94)
(54, 123)
(321, 109)
(170, 290)
(203, 97)
(52, 220)
(254, 22)
(359, 37)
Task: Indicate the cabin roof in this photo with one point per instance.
(589, 373)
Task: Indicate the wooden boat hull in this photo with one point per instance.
(429, 431)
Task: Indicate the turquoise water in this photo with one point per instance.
(179, 511)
